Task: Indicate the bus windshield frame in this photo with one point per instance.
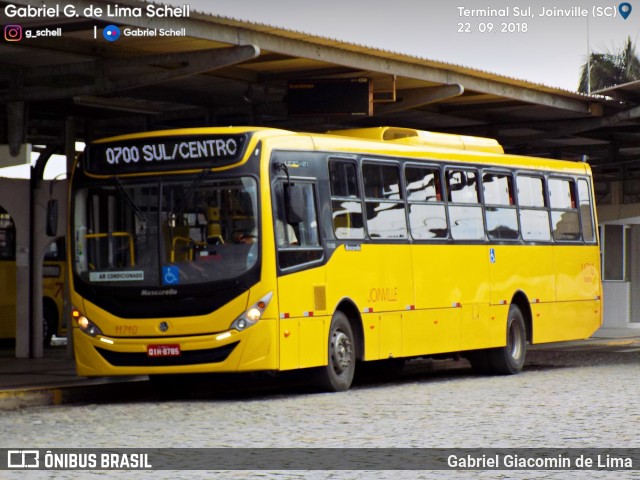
(172, 236)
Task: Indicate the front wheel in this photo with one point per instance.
(338, 374)
(509, 360)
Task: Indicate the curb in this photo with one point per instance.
(18, 398)
(15, 400)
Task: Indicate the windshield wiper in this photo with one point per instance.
(139, 213)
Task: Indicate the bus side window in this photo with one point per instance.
(296, 226)
(463, 186)
(465, 211)
(534, 215)
(427, 216)
(386, 217)
(500, 209)
(586, 210)
(346, 205)
(564, 212)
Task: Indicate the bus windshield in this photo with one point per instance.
(165, 232)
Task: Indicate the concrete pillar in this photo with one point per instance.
(63, 200)
(38, 237)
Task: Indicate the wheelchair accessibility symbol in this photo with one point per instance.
(492, 255)
(170, 276)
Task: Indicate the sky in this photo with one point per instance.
(513, 40)
(55, 167)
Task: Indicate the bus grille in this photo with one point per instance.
(187, 357)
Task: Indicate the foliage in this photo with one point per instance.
(610, 69)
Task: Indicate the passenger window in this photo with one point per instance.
(346, 205)
(534, 216)
(428, 221)
(466, 220)
(564, 213)
(500, 211)
(586, 211)
(343, 178)
(463, 186)
(562, 194)
(381, 181)
(535, 225)
(423, 184)
(530, 191)
(497, 188)
(427, 216)
(385, 212)
(296, 223)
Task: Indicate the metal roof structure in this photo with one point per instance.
(222, 71)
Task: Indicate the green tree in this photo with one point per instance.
(610, 69)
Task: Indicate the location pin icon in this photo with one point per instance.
(624, 9)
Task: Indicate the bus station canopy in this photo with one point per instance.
(222, 71)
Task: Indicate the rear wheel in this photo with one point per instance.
(338, 374)
(509, 360)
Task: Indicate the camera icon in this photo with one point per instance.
(13, 33)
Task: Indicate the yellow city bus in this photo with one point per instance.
(255, 249)
(52, 284)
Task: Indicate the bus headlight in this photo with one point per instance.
(252, 315)
(84, 324)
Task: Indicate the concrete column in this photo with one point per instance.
(63, 200)
(38, 238)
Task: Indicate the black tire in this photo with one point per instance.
(479, 360)
(49, 323)
(337, 376)
(509, 360)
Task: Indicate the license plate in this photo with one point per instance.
(163, 350)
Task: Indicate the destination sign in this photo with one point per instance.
(164, 153)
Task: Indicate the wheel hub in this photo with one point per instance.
(341, 351)
(515, 342)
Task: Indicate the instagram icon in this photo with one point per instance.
(13, 33)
